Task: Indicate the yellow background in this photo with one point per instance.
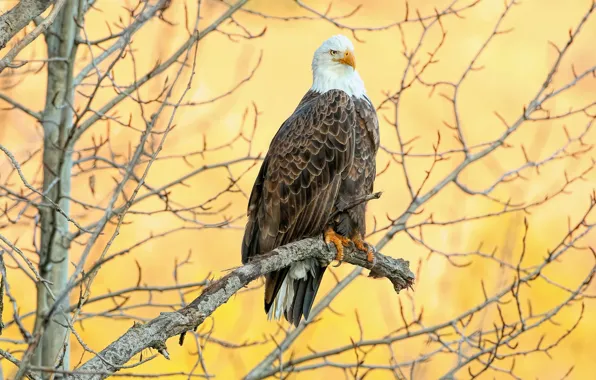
(515, 66)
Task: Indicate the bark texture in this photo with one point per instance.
(18, 17)
(57, 160)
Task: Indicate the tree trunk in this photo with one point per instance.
(53, 349)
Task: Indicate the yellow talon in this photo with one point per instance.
(363, 246)
(339, 241)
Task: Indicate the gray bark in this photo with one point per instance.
(18, 17)
(155, 332)
(57, 161)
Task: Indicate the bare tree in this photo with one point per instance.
(103, 133)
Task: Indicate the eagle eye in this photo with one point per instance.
(333, 52)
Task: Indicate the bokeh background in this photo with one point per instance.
(514, 67)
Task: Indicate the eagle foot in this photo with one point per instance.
(339, 241)
(363, 246)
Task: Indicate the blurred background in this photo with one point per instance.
(507, 75)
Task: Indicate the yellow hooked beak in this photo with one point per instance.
(348, 59)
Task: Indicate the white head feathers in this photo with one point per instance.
(333, 67)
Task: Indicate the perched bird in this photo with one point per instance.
(320, 161)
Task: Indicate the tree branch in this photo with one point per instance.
(157, 331)
(28, 9)
(21, 107)
(158, 69)
(18, 17)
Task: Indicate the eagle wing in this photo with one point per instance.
(363, 172)
(297, 186)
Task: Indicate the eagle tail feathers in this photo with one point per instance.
(297, 293)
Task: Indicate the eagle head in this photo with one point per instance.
(334, 67)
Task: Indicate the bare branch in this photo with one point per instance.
(167, 325)
(18, 17)
(36, 5)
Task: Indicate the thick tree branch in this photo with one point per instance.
(18, 17)
(22, 14)
(157, 331)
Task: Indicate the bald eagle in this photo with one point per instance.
(320, 160)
